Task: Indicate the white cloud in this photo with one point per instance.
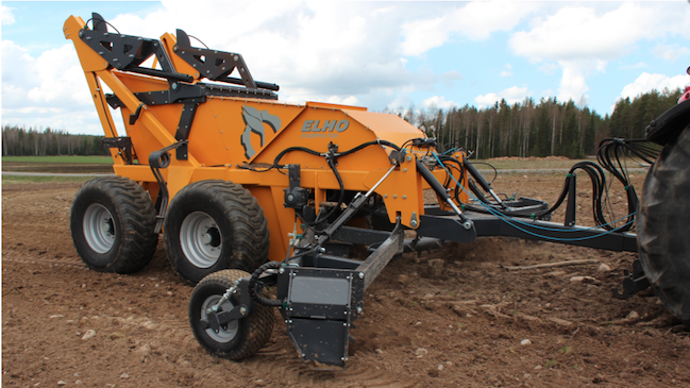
(670, 53)
(437, 102)
(577, 33)
(6, 15)
(48, 91)
(61, 78)
(312, 49)
(512, 95)
(573, 85)
(582, 39)
(647, 82)
(423, 35)
(400, 103)
(476, 21)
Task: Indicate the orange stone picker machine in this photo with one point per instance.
(311, 201)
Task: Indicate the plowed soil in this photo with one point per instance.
(455, 317)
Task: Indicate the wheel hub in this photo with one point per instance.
(99, 228)
(227, 331)
(200, 239)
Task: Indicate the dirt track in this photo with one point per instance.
(457, 321)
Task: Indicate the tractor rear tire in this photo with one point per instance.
(112, 223)
(663, 226)
(238, 339)
(214, 225)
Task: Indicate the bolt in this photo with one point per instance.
(243, 310)
(404, 170)
(174, 85)
(322, 250)
(385, 196)
(359, 310)
(413, 223)
(408, 158)
(281, 271)
(395, 196)
(404, 196)
(361, 275)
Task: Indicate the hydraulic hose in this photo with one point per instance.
(252, 285)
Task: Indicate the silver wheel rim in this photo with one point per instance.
(99, 228)
(224, 334)
(200, 240)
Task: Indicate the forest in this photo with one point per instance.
(528, 128)
(543, 128)
(19, 141)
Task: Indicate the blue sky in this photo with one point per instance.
(380, 55)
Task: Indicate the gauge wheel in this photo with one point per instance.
(238, 339)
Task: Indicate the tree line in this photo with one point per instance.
(544, 128)
(528, 128)
(19, 141)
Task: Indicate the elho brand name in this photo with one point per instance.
(328, 125)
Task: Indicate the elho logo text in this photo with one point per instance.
(328, 126)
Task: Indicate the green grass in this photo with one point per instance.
(71, 159)
(10, 179)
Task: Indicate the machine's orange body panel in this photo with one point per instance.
(229, 133)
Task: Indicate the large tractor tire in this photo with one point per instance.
(663, 226)
(238, 339)
(214, 225)
(112, 223)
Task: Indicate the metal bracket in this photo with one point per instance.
(135, 116)
(124, 144)
(570, 213)
(632, 284)
(157, 160)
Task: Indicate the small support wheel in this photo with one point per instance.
(112, 222)
(238, 339)
(214, 225)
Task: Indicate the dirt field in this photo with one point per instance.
(462, 320)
